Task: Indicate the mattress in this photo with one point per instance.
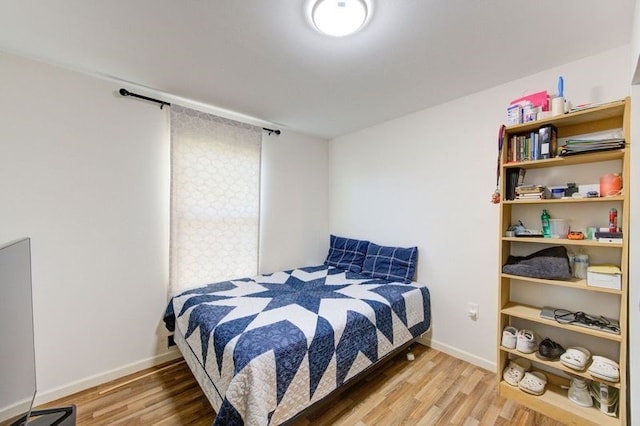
(267, 347)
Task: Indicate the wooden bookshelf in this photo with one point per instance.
(554, 402)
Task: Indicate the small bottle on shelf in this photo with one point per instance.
(613, 220)
(546, 224)
(581, 265)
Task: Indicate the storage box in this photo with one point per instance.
(605, 276)
(585, 189)
(514, 115)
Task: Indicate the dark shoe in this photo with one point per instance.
(549, 350)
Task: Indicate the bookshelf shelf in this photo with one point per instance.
(613, 111)
(568, 200)
(571, 160)
(563, 241)
(532, 313)
(557, 365)
(520, 298)
(575, 283)
(554, 402)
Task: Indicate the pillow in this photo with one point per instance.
(346, 253)
(390, 263)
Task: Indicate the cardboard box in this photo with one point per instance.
(604, 276)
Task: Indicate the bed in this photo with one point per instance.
(265, 348)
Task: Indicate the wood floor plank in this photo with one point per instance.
(434, 389)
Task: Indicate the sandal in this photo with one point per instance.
(575, 357)
(604, 368)
(533, 382)
(509, 337)
(515, 370)
(527, 341)
(549, 350)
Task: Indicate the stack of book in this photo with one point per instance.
(529, 192)
(580, 146)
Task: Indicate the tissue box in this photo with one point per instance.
(605, 276)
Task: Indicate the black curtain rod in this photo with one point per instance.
(125, 92)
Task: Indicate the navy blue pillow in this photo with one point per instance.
(346, 253)
(390, 263)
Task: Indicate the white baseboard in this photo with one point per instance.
(98, 379)
(426, 340)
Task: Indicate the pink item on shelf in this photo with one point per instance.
(540, 99)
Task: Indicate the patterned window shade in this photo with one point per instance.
(215, 198)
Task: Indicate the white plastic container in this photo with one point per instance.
(559, 228)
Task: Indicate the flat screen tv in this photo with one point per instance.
(17, 352)
(17, 347)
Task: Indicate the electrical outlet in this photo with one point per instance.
(472, 311)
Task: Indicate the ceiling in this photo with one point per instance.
(261, 58)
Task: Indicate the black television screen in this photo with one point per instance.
(17, 351)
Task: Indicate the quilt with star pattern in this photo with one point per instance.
(274, 344)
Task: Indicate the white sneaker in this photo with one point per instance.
(579, 393)
(527, 341)
(509, 337)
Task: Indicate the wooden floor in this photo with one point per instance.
(435, 389)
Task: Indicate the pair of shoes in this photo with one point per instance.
(604, 368)
(576, 357)
(579, 392)
(509, 337)
(515, 371)
(527, 341)
(549, 350)
(533, 382)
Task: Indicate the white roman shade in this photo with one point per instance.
(215, 198)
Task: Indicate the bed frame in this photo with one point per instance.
(212, 394)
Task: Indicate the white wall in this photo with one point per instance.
(294, 216)
(85, 174)
(426, 179)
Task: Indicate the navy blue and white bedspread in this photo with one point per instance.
(274, 344)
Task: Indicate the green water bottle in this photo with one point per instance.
(546, 224)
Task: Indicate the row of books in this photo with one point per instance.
(535, 145)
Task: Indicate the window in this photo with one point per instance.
(215, 198)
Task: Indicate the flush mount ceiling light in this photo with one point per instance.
(339, 17)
